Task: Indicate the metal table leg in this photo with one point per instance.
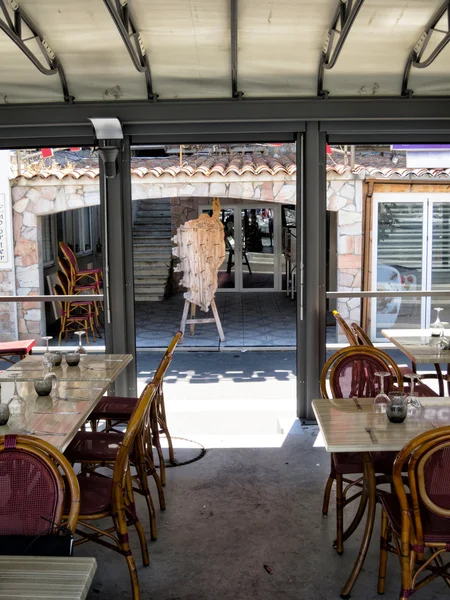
(370, 489)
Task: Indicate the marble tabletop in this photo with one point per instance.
(418, 345)
(343, 427)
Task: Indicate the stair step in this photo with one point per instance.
(149, 298)
(152, 204)
(157, 216)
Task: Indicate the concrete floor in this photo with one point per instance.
(253, 500)
(235, 511)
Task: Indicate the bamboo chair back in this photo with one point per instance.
(352, 373)
(361, 336)
(121, 474)
(63, 267)
(36, 478)
(173, 344)
(70, 257)
(428, 463)
(351, 337)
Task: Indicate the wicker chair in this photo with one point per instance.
(70, 322)
(352, 374)
(104, 497)
(77, 274)
(36, 482)
(118, 409)
(416, 520)
(420, 388)
(97, 449)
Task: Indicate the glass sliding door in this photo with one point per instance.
(411, 251)
(438, 259)
(399, 252)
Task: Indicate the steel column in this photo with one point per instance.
(312, 334)
(117, 240)
(302, 402)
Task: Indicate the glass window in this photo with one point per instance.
(48, 248)
(77, 230)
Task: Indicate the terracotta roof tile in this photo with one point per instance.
(237, 164)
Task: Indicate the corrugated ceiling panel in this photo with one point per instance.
(280, 45)
(89, 46)
(188, 43)
(375, 53)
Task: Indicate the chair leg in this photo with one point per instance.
(327, 494)
(141, 471)
(383, 552)
(339, 514)
(157, 444)
(120, 525)
(143, 542)
(151, 470)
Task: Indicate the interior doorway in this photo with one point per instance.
(254, 260)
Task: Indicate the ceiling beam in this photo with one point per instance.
(344, 17)
(234, 49)
(417, 57)
(56, 117)
(120, 14)
(13, 21)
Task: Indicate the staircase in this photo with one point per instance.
(152, 250)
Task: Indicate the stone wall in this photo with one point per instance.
(32, 199)
(345, 196)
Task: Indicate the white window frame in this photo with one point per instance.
(428, 200)
(84, 210)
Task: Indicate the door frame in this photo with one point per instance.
(277, 245)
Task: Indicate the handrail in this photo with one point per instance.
(55, 298)
(386, 294)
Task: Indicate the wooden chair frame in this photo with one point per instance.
(351, 337)
(344, 485)
(361, 336)
(65, 477)
(410, 546)
(68, 320)
(123, 512)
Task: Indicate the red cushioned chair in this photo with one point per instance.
(415, 522)
(117, 410)
(36, 482)
(112, 498)
(352, 375)
(97, 449)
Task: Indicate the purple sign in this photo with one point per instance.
(420, 147)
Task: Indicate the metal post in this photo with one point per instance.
(117, 241)
(312, 332)
(300, 247)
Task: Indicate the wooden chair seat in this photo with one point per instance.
(95, 494)
(114, 407)
(94, 446)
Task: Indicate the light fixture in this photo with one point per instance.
(108, 133)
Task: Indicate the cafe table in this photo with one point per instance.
(57, 418)
(420, 348)
(45, 577)
(92, 367)
(345, 427)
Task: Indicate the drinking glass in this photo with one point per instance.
(437, 327)
(16, 403)
(411, 398)
(81, 349)
(381, 398)
(47, 359)
(397, 408)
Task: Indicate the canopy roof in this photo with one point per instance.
(190, 45)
